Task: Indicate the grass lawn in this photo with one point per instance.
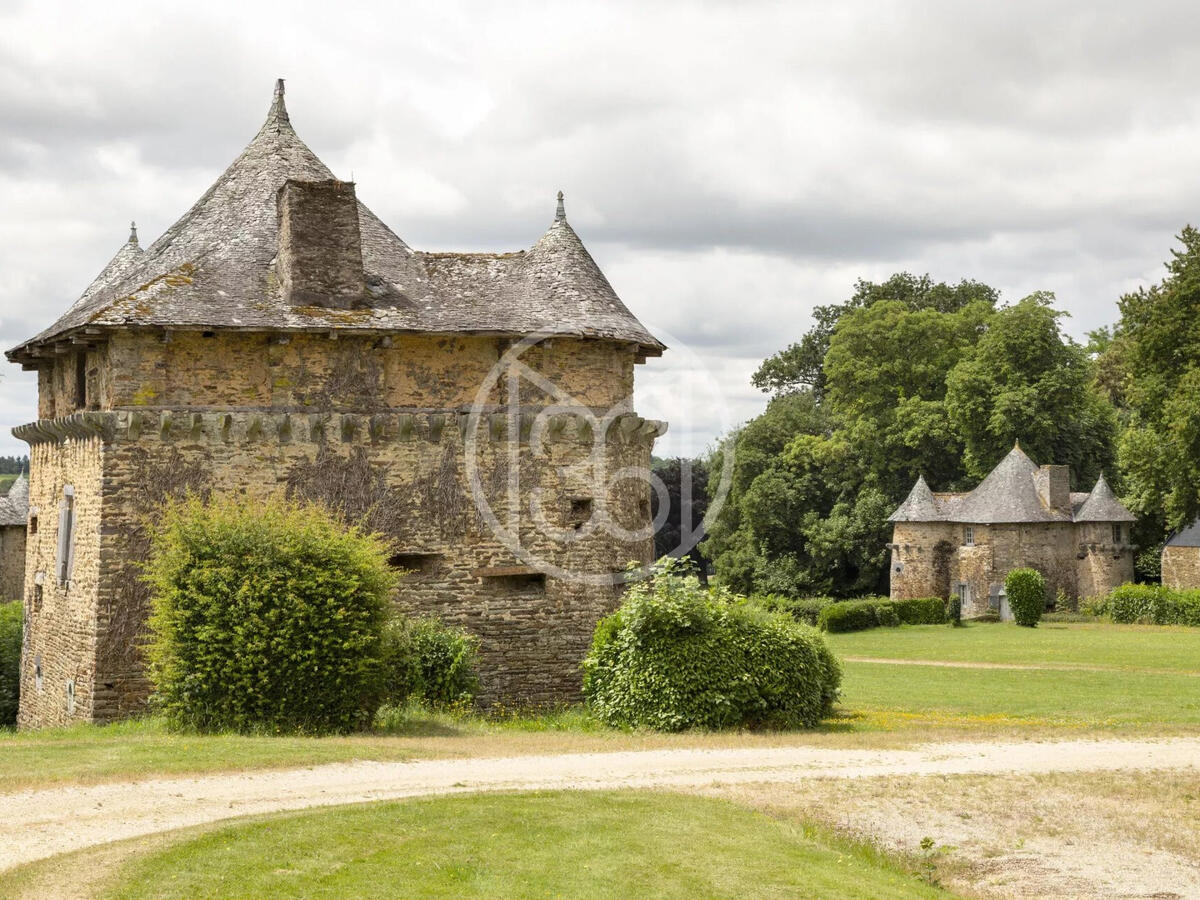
(619, 845)
(883, 705)
(1122, 694)
(1085, 644)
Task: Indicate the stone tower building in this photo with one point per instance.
(1018, 516)
(280, 339)
(1181, 559)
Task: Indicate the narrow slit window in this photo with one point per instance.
(66, 536)
(1116, 531)
(81, 380)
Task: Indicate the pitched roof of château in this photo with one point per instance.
(214, 269)
(14, 506)
(1186, 537)
(1009, 494)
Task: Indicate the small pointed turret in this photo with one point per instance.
(918, 506)
(1102, 505)
(560, 214)
(133, 238)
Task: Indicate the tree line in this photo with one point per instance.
(914, 377)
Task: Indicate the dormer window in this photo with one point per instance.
(969, 536)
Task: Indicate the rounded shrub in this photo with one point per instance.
(677, 655)
(1026, 590)
(428, 660)
(10, 661)
(266, 617)
(849, 615)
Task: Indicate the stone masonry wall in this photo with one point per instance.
(533, 635)
(12, 562)
(1079, 559)
(61, 618)
(1181, 568)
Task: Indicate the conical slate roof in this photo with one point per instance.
(214, 269)
(1102, 505)
(1009, 494)
(14, 506)
(918, 506)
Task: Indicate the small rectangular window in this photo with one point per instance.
(580, 512)
(66, 534)
(417, 564)
(80, 380)
(1116, 533)
(969, 536)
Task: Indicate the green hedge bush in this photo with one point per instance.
(1026, 591)
(430, 661)
(849, 615)
(266, 617)
(859, 615)
(678, 656)
(802, 609)
(11, 624)
(1148, 604)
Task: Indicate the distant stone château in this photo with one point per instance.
(1181, 559)
(1018, 516)
(279, 338)
(14, 515)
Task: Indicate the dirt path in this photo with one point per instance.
(40, 823)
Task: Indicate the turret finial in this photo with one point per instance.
(133, 233)
(278, 108)
(560, 214)
(1017, 444)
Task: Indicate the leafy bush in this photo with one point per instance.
(676, 655)
(921, 611)
(802, 609)
(954, 610)
(849, 615)
(1026, 590)
(428, 660)
(1150, 604)
(10, 661)
(857, 615)
(266, 616)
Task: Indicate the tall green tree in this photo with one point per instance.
(801, 366)
(1025, 381)
(1159, 343)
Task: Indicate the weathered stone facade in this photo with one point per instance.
(1181, 559)
(513, 510)
(1019, 516)
(14, 513)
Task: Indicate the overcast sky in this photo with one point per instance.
(729, 165)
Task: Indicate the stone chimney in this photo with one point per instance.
(320, 250)
(1054, 487)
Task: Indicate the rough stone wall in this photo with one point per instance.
(1181, 568)
(57, 393)
(304, 371)
(1101, 562)
(12, 562)
(1080, 559)
(61, 618)
(533, 636)
(920, 560)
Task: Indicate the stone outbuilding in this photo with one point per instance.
(1019, 516)
(1181, 559)
(14, 521)
(475, 408)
